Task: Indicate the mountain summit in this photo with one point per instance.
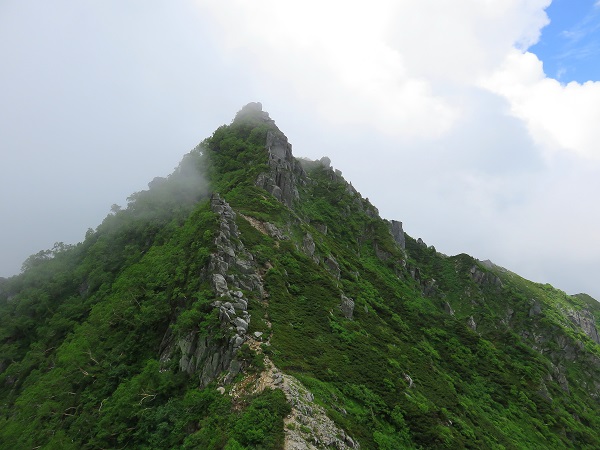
(252, 300)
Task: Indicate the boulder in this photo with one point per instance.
(347, 307)
(219, 283)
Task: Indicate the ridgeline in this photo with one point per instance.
(252, 300)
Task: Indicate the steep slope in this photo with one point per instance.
(253, 300)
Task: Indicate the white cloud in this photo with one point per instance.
(395, 66)
(334, 56)
(559, 116)
(478, 132)
(432, 108)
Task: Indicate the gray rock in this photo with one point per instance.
(219, 283)
(585, 320)
(398, 233)
(347, 307)
(308, 245)
(240, 306)
(484, 278)
(252, 113)
(321, 227)
(488, 264)
(332, 265)
(448, 308)
(274, 232)
(238, 341)
(224, 315)
(218, 265)
(471, 323)
(430, 288)
(285, 172)
(559, 376)
(244, 266)
(203, 355)
(535, 310)
(241, 323)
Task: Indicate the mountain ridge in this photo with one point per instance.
(256, 300)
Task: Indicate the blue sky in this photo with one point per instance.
(569, 46)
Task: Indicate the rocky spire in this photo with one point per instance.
(253, 113)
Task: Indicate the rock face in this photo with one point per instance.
(585, 320)
(309, 247)
(332, 266)
(535, 310)
(285, 172)
(398, 233)
(483, 278)
(231, 269)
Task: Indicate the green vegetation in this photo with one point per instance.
(83, 328)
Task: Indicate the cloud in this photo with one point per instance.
(329, 54)
(484, 152)
(558, 116)
(433, 109)
(395, 66)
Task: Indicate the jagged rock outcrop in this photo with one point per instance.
(253, 113)
(585, 320)
(332, 266)
(398, 233)
(230, 270)
(471, 323)
(535, 310)
(347, 307)
(484, 278)
(309, 247)
(285, 173)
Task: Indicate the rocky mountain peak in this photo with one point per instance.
(253, 113)
(274, 308)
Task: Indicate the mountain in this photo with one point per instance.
(252, 300)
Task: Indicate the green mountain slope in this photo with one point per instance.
(252, 300)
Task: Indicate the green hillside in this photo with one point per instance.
(252, 300)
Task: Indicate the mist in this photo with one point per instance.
(439, 114)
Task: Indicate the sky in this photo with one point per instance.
(474, 122)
